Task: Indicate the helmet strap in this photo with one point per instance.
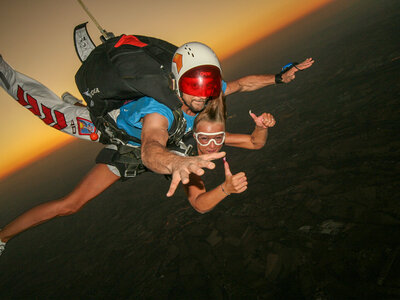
(183, 100)
(172, 82)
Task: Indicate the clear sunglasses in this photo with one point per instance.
(205, 138)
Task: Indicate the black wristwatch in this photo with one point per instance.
(278, 78)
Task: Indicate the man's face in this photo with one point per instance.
(194, 103)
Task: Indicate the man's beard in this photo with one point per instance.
(194, 109)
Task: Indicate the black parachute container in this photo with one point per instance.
(122, 69)
(126, 68)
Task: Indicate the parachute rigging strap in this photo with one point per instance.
(105, 35)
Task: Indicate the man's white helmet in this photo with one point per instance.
(197, 71)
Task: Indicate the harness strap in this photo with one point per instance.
(126, 159)
(178, 127)
(112, 134)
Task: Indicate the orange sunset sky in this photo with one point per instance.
(36, 39)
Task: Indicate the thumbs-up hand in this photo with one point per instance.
(234, 183)
(265, 120)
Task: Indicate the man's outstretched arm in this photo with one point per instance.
(255, 82)
(157, 158)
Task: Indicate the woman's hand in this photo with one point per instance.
(265, 120)
(233, 183)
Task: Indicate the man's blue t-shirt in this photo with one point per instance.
(132, 113)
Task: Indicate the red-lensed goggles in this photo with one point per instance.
(202, 81)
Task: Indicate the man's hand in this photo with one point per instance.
(265, 120)
(234, 183)
(183, 166)
(288, 76)
(255, 82)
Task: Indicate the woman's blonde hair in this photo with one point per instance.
(214, 112)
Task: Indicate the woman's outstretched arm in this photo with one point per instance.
(255, 140)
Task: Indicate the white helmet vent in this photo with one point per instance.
(189, 51)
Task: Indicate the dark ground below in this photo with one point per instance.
(320, 219)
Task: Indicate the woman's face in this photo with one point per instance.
(204, 131)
